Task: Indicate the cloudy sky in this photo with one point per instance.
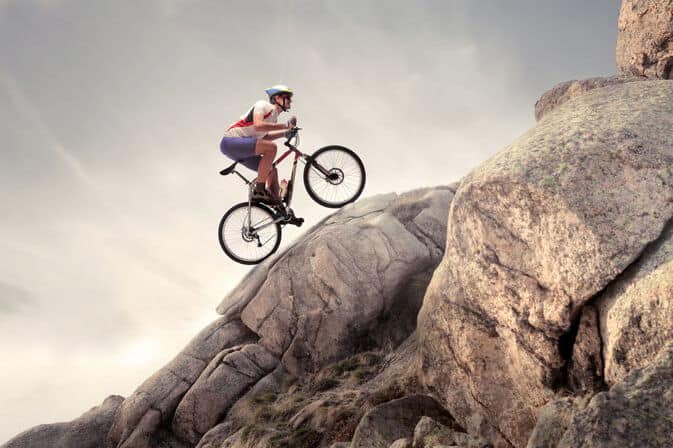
(111, 113)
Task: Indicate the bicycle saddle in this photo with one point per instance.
(228, 170)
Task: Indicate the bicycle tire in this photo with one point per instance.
(234, 241)
(349, 180)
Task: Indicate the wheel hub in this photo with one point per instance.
(335, 176)
(247, 236)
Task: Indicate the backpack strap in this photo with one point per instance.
(248, 118)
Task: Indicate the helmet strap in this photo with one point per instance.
(275, 101)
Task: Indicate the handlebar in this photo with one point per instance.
(293, 133)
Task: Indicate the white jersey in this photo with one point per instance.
(244, 128)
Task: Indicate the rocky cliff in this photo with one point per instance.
(530, 304)
(534, 235)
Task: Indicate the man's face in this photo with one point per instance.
(285, 101)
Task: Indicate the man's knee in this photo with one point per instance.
(267, 148)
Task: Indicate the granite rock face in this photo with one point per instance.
(553, 421)
(585, 366)
(636, 311)
(153, 404)
(533, 234)
(636, 412)
(396, 419)
(645, 39)
(87, 431)
(432, 434)
(228, 376)
(355, 281)
(564, 91)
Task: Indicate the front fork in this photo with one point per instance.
(316, 165)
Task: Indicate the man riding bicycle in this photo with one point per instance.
(250, 140)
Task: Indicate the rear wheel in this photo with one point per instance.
(334, 176)
(249, 235)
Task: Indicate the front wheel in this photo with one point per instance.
(248, 233)
(334, 176)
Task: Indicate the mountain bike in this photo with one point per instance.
(250, 231)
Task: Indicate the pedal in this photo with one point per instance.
(296, 221)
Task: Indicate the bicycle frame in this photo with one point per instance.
(298, 155)
(288, 195)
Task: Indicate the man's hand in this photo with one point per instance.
(292, 122)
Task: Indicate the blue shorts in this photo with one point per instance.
(241, 149)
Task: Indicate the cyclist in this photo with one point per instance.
(250, 140)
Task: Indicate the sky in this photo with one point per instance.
(111, 114)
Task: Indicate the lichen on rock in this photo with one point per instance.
(636, 412)
(534, 233)
(645, 38)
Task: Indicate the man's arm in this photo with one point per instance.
(261, 125)
(274, 135)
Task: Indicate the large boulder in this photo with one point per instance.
(533, 234)
(567, 90)
(645, 38)
(353, 282)
(554, 419)
(432, 434)
(328, 406)
(153, 404)
(396, 419)
(228, 376)
(634, 413)
(87, 431)
(631, 320)
(636, 311)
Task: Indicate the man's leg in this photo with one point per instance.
(266, 173)
(266, 149)
(272, 182)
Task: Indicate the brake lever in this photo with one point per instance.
(293, 133)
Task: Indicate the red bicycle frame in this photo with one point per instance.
(297, 155)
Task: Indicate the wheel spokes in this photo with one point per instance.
(250, 242)
(345, 181)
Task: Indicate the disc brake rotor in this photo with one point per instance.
(335, 176)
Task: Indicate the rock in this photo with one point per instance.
(429, 434)
(87, 431)
(355, 281)
(396, 419)
(331, 296)
(399, 375)
(636, 311)
(562, 92)
(554, 420)
(401, 443)
(155, 401)
(645, 38)
(243, 410)
(533, 234)
(216, 436)
(634, 413)
(228, 376)
(585, 366)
